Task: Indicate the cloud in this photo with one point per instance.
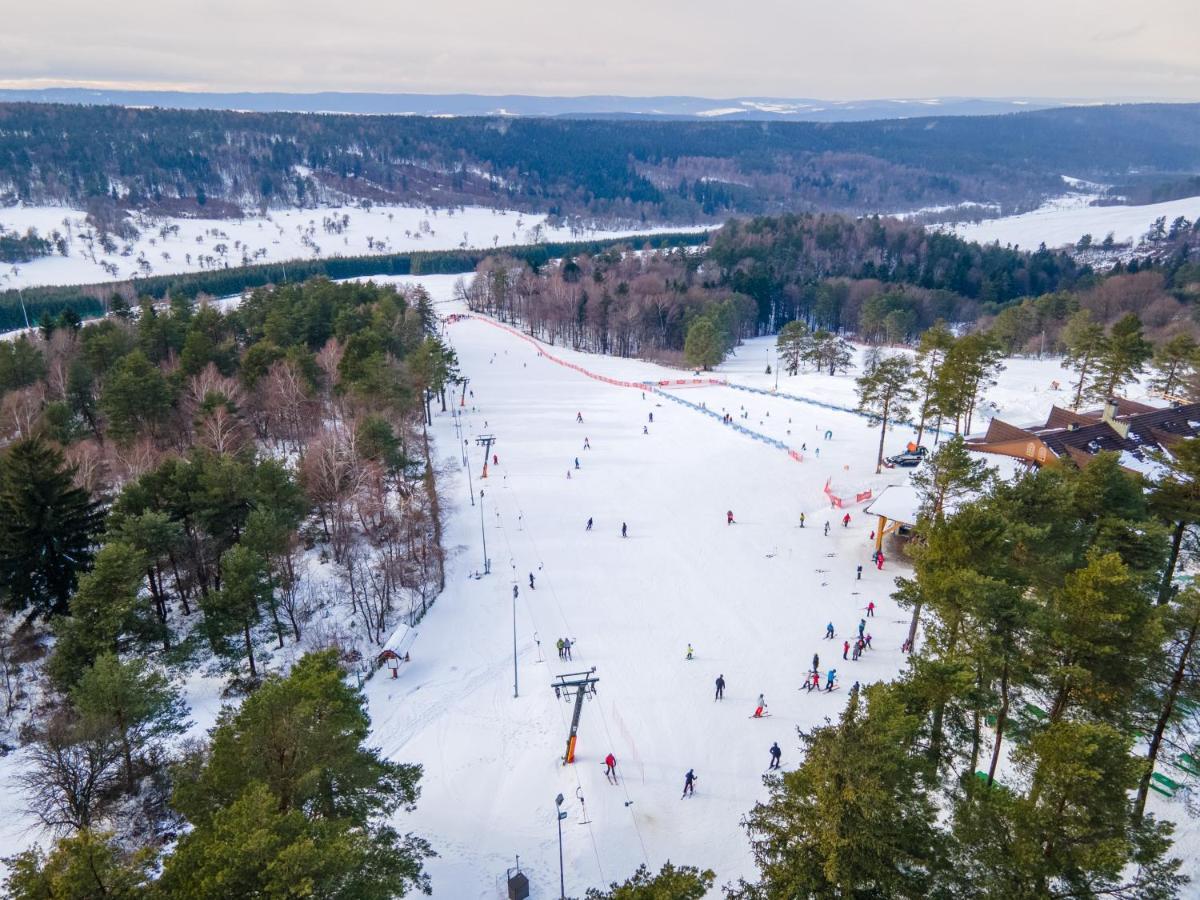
(798, 48)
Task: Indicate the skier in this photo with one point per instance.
(762, 705)
(828, 435)
(829, 632)
(651, 418)
(690, 652)
(858, 574)
(559, 645)
(495, 459)
(516, 591)
(830, 679)
(879, 561)
(870, 605)
(776, 753)
(720, 695)
(577, 462)
(801, 520)
(815, 683)
(845, 648)
(862, 626)
(531, 581)
(579, 417)
(610, 768)
(729, 517)
(857, 650)
(689, 783)
(589, 524)
(846, 520)
(826, 528)
(645, 429)
(624, 530)
(867, 641)
(587, 445)
(816, 662)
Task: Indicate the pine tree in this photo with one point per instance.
(1085, 342)
(136, 397)
(931, 354)
(136, 703)
(671, 883)
(791, 345)
(855, 818)
(1174, 365)
(237, 606)
(47, 528)
(703, 346)
(884, 395)
(1122, 358)
(107, 613)
(84, 866)
(1175, 499)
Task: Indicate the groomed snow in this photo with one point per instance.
(280, 235)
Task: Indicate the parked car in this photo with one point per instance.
(908, 459)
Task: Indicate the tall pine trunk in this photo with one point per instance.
(1164, 717)
(1001, 721)
(1164, 589)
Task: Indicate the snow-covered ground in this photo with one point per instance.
(752, 598)
(172, 245)
(1065, 220)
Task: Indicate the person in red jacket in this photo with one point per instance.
(729, 517)
(610, 767)
(846, 520)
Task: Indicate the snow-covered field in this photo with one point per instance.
(171, 245)
(1065, 220)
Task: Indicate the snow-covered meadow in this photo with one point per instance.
(172, 245)
(1065, 220)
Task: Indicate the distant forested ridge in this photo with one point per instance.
(221, 162)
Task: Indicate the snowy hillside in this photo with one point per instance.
(169, 245)
(1065, 220)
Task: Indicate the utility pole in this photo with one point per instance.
(578, 685)
(485, 441)
(462, 401)
(562, 879)
(516, 591)
(487, 564)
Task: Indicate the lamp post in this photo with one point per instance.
(562, 880)
(470, 487)
(516, 590)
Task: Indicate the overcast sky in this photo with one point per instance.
(830, 49)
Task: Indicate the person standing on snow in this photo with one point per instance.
(689, 783)
(624, 530)
(577, 462)
(830, 679)
(762, 705)
(587, 445)
(651, 418)
(870, 606)
(816, 662)
(846, 520)
(776, 753)
(589, 524)
(645, 429)
(720, 695)
(579, 417)
(610, 768)
(879, 561)
(829, 632)
(690, 652)
(801, 520)
(559, 645)
(845, 648)
(531, 581)
(729, 517)
(826, 528)
(858, 574)
(862, 626)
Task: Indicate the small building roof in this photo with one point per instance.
(898, 502)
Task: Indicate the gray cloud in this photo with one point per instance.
(813, 48)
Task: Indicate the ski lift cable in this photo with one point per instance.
(603, 719)
(561, 711)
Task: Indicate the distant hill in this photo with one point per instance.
(219, 162)
(736, 108)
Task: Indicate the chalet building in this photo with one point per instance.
(1133, 430)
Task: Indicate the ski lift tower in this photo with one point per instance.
(578, 685)
(485, 441)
